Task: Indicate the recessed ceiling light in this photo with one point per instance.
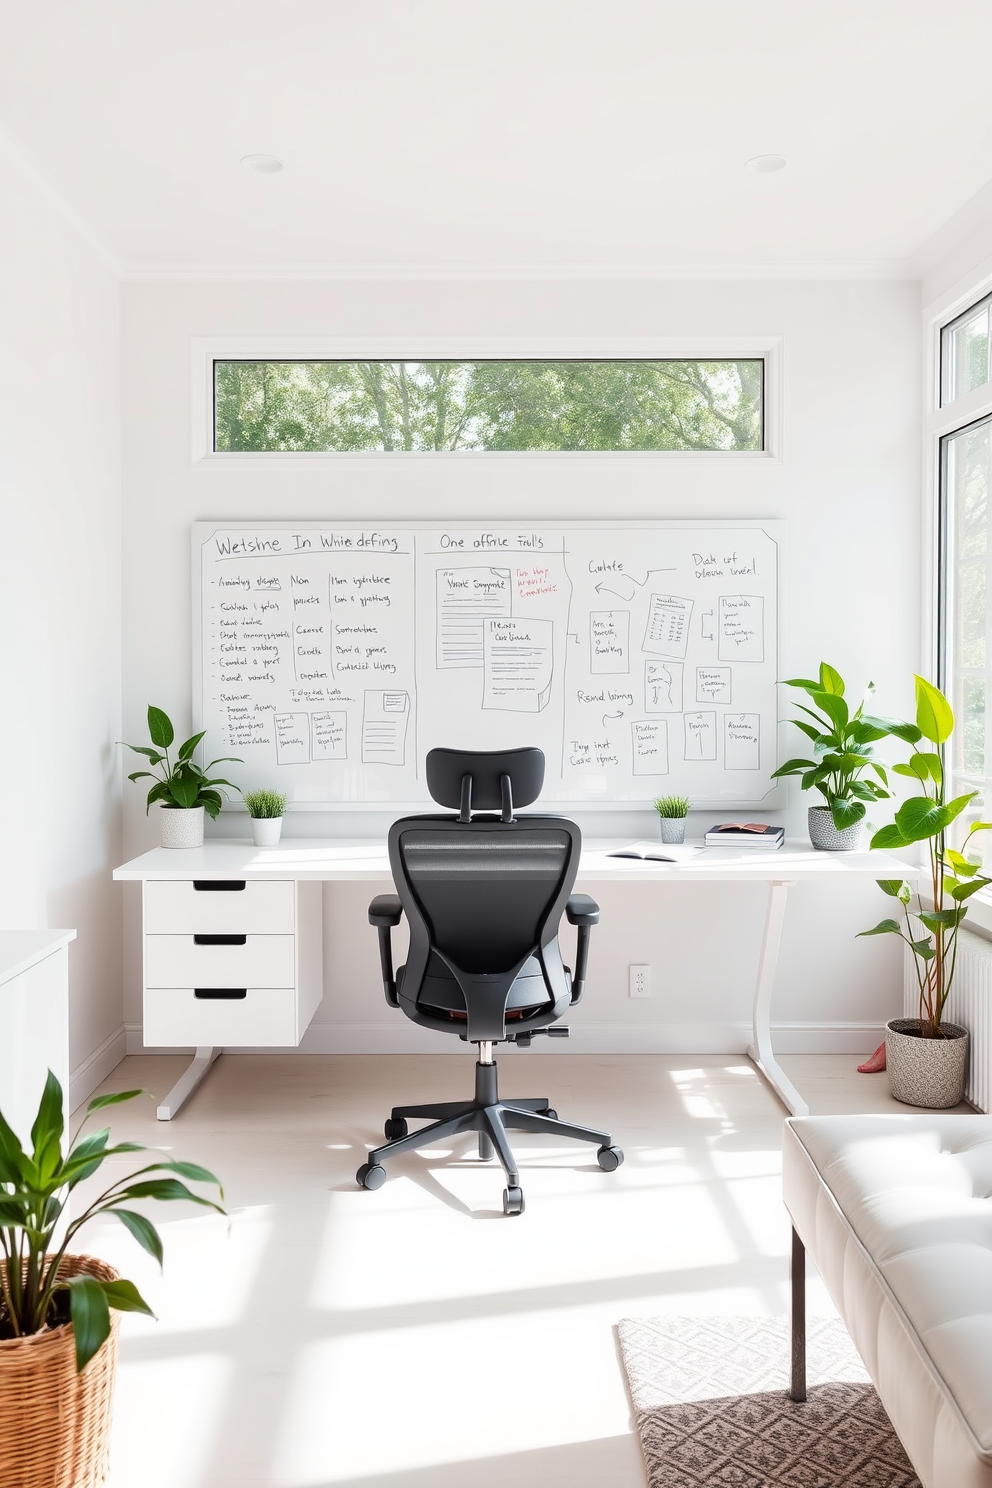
(763, 165)
(265, 165)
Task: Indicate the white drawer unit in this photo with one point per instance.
(229, 963)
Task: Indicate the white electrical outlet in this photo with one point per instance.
(640, 981)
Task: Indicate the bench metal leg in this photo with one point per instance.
(798, 1272)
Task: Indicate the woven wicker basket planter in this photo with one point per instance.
(55, 1423)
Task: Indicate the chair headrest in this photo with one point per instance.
(485, 780)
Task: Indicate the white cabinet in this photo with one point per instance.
(231, 962)
(34, 1020)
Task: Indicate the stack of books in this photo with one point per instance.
(745, 834)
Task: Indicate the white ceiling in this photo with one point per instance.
(465, 136)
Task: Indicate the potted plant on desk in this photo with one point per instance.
(842, 753)
(672, 812)
(926, 1057)
(265, 811)
(183, 788)
(58, 1340)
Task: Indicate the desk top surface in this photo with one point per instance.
(357, 859)
(22, 949)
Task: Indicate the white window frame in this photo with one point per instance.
(938, 422)
(205, 350)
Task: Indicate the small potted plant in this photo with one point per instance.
(58, 1310)
(183, 788)
(672, 812)
(926, 1057)
(842, 754)
(266, 809)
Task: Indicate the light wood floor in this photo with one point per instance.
(414, 1337)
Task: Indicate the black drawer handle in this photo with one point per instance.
(220, 940)
(219, 885)
(221, 994)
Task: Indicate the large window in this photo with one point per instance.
(348, 406)
(965, 348)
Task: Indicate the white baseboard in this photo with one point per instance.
(400, 1036)
(95, 1068)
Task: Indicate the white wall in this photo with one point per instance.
(60, 598)
(848, 484)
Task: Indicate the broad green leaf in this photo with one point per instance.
(192, 1171)
(920, 818)
(46, 1133)
(163, 1189)
(867, 730)
(846, 813)
(90, 1317)
(124, 1296)
(806, 728)
(810, 779)
(924, 949)
(100, 1101)
(14, 1165)
(143, 1231)
(907, 732)
(792, 767)
(160, 729)
(933, 767)
(934, 717)
(185, 750)
(184, 791)
(961, 865)
(151, 754)
(938, 919)
(831, 680)
(884, 927)
(12, 1212)
(835, 708)
(959, 891)
(804, 682)
(902, 769)
(888, 837)
(893, 887)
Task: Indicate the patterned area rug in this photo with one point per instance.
(712, 1407)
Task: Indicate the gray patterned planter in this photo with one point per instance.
(181, 827)
(926, 1071)
(828, 838)
(672, 828)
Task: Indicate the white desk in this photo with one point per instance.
(362, 860)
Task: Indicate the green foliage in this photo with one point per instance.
(180, 782)
(264, 803)
(672, 806)
(953, 877)
(842, 748)
(35, 1186)
(518, 405)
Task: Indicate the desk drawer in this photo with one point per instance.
(263, 906)
(262, 961)
(264, 1016)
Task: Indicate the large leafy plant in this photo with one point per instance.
(929, 925)
(842, 748)
(179, 782)
(34, 1190)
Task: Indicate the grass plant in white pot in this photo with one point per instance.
(927, 1057)
(183, 789)
(672, 812)
(266, 809)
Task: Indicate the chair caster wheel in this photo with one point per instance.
(371, 1175)
(551, 1113)
(609, 1158)
(513, 1201)
(395, 1127)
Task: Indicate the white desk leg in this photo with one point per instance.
(760, 1051)
(187, 1083)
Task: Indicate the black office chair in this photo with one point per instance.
(484, 896)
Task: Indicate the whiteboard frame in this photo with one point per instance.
(773, 527)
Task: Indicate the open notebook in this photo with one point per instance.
(656, 852)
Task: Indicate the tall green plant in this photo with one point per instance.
(842, 748)
(34, 1190)
(929, 926)
(180, 782)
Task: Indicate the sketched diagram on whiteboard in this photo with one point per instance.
(637, 656)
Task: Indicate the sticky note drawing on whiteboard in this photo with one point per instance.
(663, 687)
(519, 658)
(609, 642)
(667, 630)
(742, 741)
(741, 628)
(384, 724)
(649, 738)
(700, 736)
(466, 599)
(329, 735)
(292, 738)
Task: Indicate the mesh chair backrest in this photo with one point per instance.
(486, 890)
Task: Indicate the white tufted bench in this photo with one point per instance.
(897, 1216)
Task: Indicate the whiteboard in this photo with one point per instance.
(640, 657)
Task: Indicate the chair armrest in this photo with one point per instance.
(581, 910)
(385, 911)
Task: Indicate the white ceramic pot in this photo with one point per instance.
(828, 838)
(181, 826)
(926, 1072)
(265, 830)
(672, 828)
